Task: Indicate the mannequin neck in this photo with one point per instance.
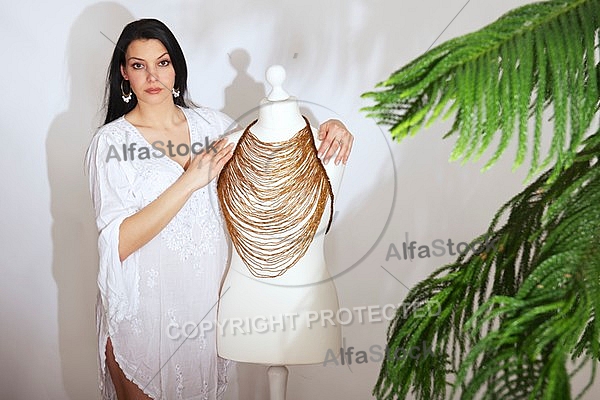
(278, 120)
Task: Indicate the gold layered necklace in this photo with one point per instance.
(272, 196)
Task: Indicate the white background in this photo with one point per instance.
(54, 60)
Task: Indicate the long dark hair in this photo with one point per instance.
(142, 29)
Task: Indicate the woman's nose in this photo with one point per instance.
(150, 75)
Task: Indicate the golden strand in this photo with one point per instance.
(272, 196)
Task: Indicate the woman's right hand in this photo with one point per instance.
(205, 166)
(138, 229)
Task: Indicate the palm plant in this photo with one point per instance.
(519, 320)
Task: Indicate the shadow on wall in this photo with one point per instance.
(74, 233)
(244, 94)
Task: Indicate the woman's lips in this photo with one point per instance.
(153, 90)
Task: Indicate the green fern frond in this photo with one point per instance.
(499, 77)
(514, 316)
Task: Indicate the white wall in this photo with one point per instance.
(54, 60)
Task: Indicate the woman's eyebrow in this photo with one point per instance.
(141, 59)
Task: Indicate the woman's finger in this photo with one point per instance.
(345, 149)
(336, 139)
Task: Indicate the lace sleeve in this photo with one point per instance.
(113, 201)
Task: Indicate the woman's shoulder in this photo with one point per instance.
(114, 131)
(209, 116)
(104, 139)
(107, 137)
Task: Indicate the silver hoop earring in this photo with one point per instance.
(125, 97)
(175, 92)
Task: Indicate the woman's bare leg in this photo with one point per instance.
(126, 390)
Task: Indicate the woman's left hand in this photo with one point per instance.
(335, 136)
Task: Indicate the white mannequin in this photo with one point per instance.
(281, 309)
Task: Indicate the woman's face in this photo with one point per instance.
(149, 71)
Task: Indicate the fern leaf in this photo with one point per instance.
(513, 316)
(546, 59)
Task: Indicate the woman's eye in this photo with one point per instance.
(164, 63)
(137, 66)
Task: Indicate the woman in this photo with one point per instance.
(161, 242)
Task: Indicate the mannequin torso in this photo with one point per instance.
(281, 320)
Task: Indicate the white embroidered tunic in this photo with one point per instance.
(150, 303)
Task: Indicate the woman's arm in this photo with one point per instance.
(138, 229)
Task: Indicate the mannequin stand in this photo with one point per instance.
(278, 376)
